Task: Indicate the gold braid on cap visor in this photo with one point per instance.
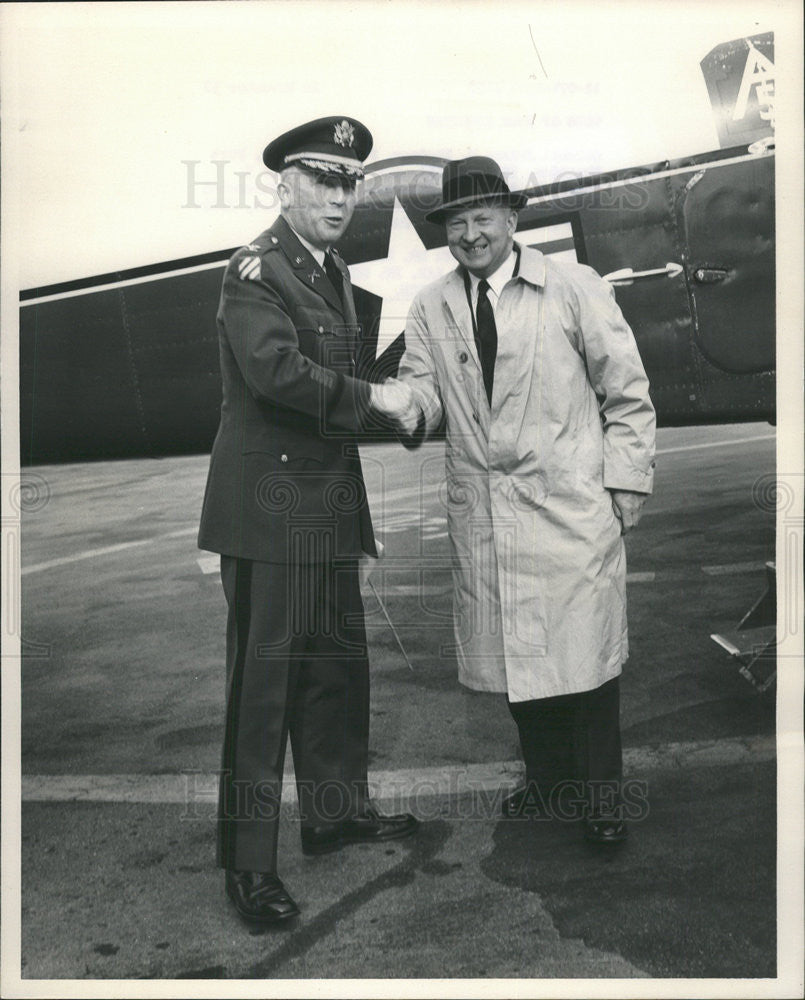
(335, 164)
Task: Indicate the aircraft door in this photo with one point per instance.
(727, 218)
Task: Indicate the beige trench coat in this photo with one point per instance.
(538, 562)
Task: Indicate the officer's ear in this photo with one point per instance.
(284, 192)
(285, 188)
(511, 224)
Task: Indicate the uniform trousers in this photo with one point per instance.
(574, 738)
(296, 664)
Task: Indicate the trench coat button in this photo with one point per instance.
(283, 458)
(463, 357)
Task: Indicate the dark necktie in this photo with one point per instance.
(332, 271)
(487, 336)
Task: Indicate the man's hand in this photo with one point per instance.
(395, 400)
(627, 506)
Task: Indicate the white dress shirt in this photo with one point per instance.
(495, 281)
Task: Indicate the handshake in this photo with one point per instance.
(395, 400)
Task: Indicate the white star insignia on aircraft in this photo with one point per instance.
(399, 276)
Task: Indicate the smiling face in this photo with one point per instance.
(318, 206)
(481, 237)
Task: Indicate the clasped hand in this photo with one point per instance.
(395, 400)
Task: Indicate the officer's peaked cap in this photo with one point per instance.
(336, 145)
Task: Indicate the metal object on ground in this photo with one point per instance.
(390, 623)
(754, 641)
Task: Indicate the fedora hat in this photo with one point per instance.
(475, 179)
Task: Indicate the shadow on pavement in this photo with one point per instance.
(690, 894)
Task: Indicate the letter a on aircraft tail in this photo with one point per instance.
(740, 80)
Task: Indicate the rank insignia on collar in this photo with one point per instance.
(314, 275)
(249, 268)
(299, 260)
(344, 134)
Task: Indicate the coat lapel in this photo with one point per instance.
(520, 338)
(304, 266)
(455, 298)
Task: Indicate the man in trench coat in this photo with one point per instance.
(285, 505)
(549, 454)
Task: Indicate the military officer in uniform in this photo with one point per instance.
(285, 506)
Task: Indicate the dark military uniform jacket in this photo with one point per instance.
(285, 481)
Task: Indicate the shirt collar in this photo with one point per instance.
(315, 253)
(497, 280)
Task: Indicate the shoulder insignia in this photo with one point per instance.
(249, 268)
(255, 247)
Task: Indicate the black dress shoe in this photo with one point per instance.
(259, 897)
(322, 839)
(369, 828)
(605, 831)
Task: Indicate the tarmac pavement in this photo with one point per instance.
(123, 697)
(127, 891)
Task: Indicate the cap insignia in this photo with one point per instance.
(344, 134)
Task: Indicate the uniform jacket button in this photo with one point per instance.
(283, 458)
(321, 329)
(463, 357)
